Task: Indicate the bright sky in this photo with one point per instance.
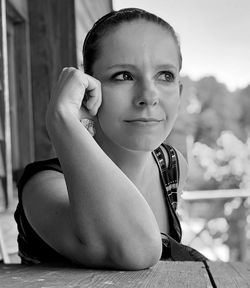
(214, 35)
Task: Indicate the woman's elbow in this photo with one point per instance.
(138, 256)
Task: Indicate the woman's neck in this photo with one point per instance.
(135, 164)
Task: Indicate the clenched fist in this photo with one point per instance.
(76, 94)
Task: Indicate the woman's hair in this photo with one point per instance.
(112, 20)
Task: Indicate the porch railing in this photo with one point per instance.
(217, 223)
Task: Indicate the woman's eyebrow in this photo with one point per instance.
(132, 66)
(166, 66)
(121, 65)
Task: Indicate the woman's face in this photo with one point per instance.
(138, 67)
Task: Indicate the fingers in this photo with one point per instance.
(80, 88)
(93, 86)
(65, 73)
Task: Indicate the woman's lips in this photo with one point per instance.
(144, 121)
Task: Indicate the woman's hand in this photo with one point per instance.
(76, 94)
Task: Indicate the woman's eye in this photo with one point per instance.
(166, 76)
(122, 76)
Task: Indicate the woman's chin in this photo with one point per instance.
(144, 145)
(131, 141)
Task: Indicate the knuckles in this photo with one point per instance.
(68, 70)
(80, 77)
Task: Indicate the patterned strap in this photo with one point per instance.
(170, 178)
(170, 173)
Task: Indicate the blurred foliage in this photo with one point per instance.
(227, 164)
(216, 124)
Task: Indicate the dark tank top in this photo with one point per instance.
(34, 250)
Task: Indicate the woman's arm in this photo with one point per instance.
(100, 219)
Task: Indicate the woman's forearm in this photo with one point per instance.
(105, 204)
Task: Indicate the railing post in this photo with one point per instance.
(242, 231)
(5, 101)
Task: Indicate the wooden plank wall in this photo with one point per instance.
(20, 79)
(24, 95)
(57, 30)
(53, 46)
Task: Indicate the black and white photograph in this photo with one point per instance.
(124, 143)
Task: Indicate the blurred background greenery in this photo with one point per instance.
(213, 132)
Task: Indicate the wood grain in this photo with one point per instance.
(52, 47)
(164, 274)
(228, 275)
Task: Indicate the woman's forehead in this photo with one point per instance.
(137, 40)
(127, 28)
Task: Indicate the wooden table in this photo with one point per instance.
(164, 274)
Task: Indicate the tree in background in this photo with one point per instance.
(216, 123)
(244, 100)
(227, 163)
(207, 109)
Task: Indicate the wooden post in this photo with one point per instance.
(53, 46)
(242, 222)
(3, 249)
(5, 111)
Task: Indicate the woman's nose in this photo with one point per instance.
(147, 95)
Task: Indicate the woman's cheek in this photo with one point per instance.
(110, 107)
(115, 98)
(171, 100)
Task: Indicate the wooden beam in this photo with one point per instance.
(24, 97)
(215, 194)
(3, 249)
(6, 151)
(53, 46)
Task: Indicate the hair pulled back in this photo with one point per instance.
(91, 46)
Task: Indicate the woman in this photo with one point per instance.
(109, 200)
